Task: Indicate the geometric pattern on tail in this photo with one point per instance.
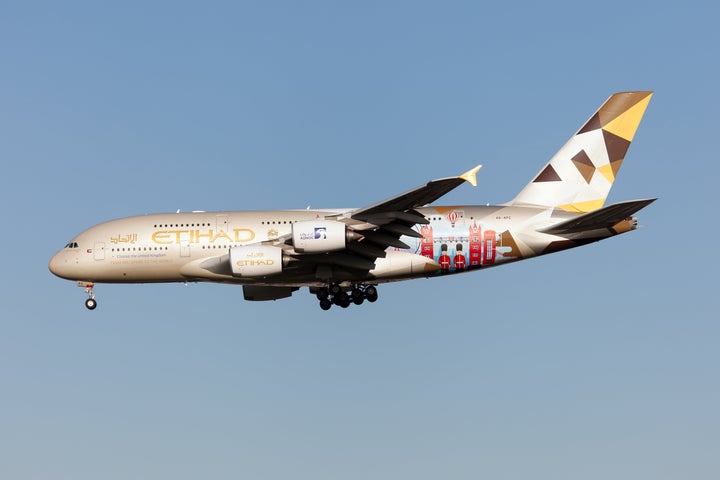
(579, 176)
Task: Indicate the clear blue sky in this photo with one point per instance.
(601, 362)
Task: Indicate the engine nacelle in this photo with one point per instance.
(319, 236)
(256, 261)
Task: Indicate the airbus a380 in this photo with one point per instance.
(342, 255)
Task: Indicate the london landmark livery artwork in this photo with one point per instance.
(341, 256)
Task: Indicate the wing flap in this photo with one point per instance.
(383, 239)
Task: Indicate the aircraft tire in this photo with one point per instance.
(322, 293)
(340, 298)
(371, 291)
(325, 304)
(90, 304)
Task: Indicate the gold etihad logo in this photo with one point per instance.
(237, 235)
(255, 263)
(255, 259)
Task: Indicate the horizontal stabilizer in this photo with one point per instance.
(605, 217)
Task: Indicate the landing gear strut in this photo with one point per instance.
(333, 294)
(90, 303)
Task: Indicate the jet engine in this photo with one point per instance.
(256, 261)
(321, 236)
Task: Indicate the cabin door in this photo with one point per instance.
(99, 251)
(221, 223)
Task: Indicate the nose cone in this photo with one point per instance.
(60, 265)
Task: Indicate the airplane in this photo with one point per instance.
(342, 255)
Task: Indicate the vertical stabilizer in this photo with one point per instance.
(578, 178)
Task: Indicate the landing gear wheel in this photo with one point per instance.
(336, 294)
(371, 293)
(341, 298)
(90, 303)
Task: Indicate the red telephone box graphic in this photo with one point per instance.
(475, 246)
(426, 244)
(489, 247)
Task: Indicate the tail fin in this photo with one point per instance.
(578, 178)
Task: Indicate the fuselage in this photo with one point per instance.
(181, 247)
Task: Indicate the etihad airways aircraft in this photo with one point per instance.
(342, 255)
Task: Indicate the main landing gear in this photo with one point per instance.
(90, 303)
(335, 295)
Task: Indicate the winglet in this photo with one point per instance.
(469, 176)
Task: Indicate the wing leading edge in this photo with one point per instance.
(414, 198)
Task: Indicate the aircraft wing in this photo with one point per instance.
(379, 226)
(371, 230)
(383, 223)
(605, 217)
(416, 197)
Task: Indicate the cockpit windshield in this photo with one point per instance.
(72, 245)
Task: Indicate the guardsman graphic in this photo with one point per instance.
(444, 259)
(459, 259)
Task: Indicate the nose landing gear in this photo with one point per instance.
(334, 295)
(90, 303)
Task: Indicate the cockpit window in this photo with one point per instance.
(72, 245)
